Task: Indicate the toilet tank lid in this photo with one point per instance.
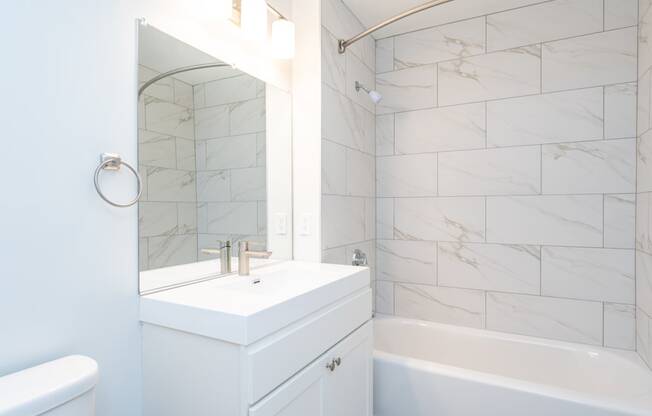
(38, 389)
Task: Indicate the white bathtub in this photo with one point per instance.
(428, 369)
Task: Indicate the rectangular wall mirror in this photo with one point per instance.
(202, 154)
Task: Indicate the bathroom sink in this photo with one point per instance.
(244, 309)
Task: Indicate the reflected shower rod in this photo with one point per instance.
(178, 71)
(343, 44)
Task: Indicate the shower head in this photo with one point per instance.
(373, 94)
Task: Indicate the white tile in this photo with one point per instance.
(211, 122)
(555, 220)
(599, 59)
(157, 218)
(343, 24)
(605, 275)
(643, 338)
(384, 218)
(345, 220)
(347, 123)
(504, 74)
(644, 162)
(562, 319)
(356, 70)
(231, 152)
(230, 90)
(619, 326)
(643, 104)
(247, 117)
(440, 304)
(370, 219)
(440, 219)
(644, 222)
(248, 184)
(360, 170)
(199, 96)
(620, 111)
(333, 64)
(143, 254)
(620, 13)
(333, 169)
(262, 219)
(213, 186)
(385, 135)
(335, 256)
(590, 167)
(619, 220)
(548, 118)
(384, 297)
(441, 43)
(156, 149)
(261, 149)
(170, 185)
(505, 268)
(440, 129)
(644, 281)
(407, 89)
(508, 171)
(163, 89)
(552, 20)
(187, 218)
(172, 250)
(200, 155)
(407, 261)
(185, 152)
(167, 118)
(412, 175)
(183, 94)
(644, 37)
(229, 217)
(385, 55)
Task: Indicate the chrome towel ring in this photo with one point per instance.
(112, 161)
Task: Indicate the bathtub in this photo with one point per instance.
(429, 369)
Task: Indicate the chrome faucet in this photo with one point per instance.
(225, 255)
(244, 254)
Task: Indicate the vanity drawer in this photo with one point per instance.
(273, 360)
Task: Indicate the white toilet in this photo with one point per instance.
(64, 387)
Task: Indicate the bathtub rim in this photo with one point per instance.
(638, 407)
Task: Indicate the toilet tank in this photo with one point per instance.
(64, 387)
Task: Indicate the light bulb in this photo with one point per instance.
(254, 19)
(283, 39)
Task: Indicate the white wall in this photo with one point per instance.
(70, 272)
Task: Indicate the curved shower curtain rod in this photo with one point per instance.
(178, 71)
(343, 44)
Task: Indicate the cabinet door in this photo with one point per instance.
(348, 387)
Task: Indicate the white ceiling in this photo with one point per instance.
(161, 52)
(371, 12)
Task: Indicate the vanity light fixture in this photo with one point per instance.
(253, 20)
(283, 39)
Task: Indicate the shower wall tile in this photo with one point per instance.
(458, 127)
(407, 261)
(440, 219)
(228, 218)
(462, 307)
(384, 218)
(643, 338)
(183, 93)
(333, 63)
(599, 59)
(361, 173)
(407, 176)
(214, 186)
(619, 220)
(170, 185)
(187, 218)
(356, 70)
(384, 297)
(644, 222)
(441, 43)
(504, 268)
(347, 123)
(590, 274)
(168, 118)
(620, 13)
(385, 135)
(562, 319)
(247, 116)
(644, 37)
(211, 122)
(343, 24)
(619, 326)
(230, 90)
(590, 167)
(185, 154)
(643, 103)
(163, 89)
(557, 19)
(333, 176)
(644, 282)
(248, 184)
(548, 220)
(407, 89)
(157, 218)
(385, 55)
(548, 118)
(231, 152)
(345, 217)
(508, 171)
(503, 74)
(155, 149)
(620, 111)
(644, 162)
(171, 250)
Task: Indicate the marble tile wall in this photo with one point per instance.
(230, 160)
(644, 188)
(166, 156)
(348, 139)
(506, 174)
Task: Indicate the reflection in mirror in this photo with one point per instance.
(201, 146)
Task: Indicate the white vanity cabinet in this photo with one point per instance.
(267, 362)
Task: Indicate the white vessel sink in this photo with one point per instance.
(244, 309)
